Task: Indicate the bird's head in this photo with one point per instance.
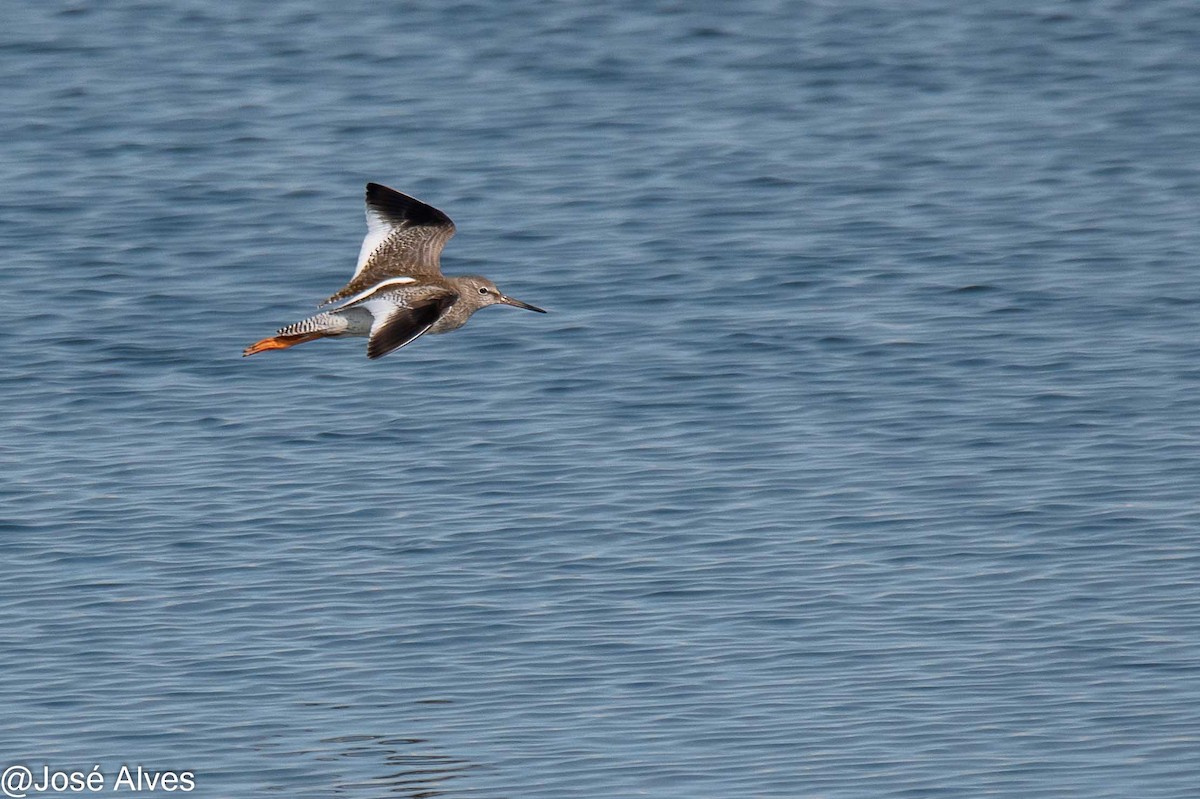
(482, 292)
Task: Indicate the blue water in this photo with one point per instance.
(857, 456)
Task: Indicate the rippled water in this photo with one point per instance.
(856, 458)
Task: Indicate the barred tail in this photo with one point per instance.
(310, 329)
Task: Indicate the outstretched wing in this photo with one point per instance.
(405, 238)
(396, 324)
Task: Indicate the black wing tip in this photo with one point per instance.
(409, 324)
(377, 348)
(398, 207)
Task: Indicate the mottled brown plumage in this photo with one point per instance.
(398, 292)
(404, 237)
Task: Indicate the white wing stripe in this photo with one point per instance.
(397, 281)
(378, 229)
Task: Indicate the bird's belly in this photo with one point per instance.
(445, 325)
(357, 321)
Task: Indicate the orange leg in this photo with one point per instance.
(280, 342)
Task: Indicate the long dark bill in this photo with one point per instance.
(519, 304)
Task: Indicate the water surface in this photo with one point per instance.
(856, 457)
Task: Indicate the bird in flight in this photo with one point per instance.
(398, 292)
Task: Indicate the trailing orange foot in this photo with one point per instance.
(279, 343)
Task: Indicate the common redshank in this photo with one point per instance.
(398, 292)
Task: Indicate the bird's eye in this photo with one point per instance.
(483, 290)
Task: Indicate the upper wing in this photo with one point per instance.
(397, 324)
(405, 237)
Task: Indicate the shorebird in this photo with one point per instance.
(397, 292)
